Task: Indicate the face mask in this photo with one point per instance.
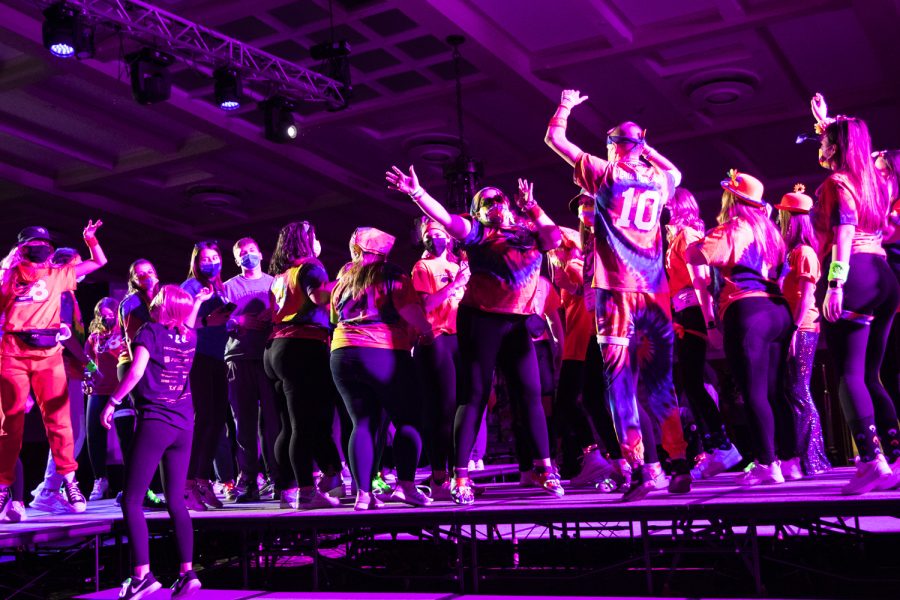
(250, 260)
(493, 215)
(210, 270)
(36, 254)
(109, 323)
(147, 282)
(435, 246)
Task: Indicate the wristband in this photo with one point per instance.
(533, 211)
(114, 401)
(91, 241)
(838, 270)
(417, 193)
(558, 122)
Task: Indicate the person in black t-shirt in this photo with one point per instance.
(163, 354)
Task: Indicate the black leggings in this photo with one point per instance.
(378, 384)
(690, 347)
(124, 418)
(756, 335)
(156, 441)
(300, 369)
(96, 435)
(488, 341)
(437, 365)
(857, 350)
(210, 393)
(594, 398)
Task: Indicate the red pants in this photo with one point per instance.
(47, 378)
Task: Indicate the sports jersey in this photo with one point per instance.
(105, 350)
(802, 265)
(373, 320)
(835, 208)
(732, 249)
(628, 201)
(505, 264)
(31, 300)
(429, 276)
(680, 286)
(295, 314)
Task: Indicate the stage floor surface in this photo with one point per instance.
(717, 498)
(111, 594)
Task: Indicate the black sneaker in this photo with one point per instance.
(134, 588)
(5, 501)
(641, 485)
(74, 496)
(251, 495)
(192, 499)
(153, 502)
(186, 586)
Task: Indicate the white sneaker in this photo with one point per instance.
(872, 475)
(288, 498)
(719, 461)
(101, 486)
(52, 502)
(594, 469)
(16, 512)
(479, 465)
(760, 474)
(791, 469)
(895, 468)
(471, 465)
(411, 496)
(658, 481)
(315, 499)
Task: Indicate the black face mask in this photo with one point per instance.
(109, 323)
(37, 254)
(435, 246)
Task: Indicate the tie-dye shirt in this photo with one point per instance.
(628, 199)
(505, 263)
(733, 250)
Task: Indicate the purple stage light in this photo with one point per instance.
(62, 50)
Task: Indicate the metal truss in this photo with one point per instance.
(207, 49)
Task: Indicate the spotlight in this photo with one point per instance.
(228, 88)
(150, 78)
(280, 125)
(65, 32)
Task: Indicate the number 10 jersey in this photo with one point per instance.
(628, 199)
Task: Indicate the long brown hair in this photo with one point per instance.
(358, 276)
(133, 284)
(764, 231)
(797, 229)
(295, 241)
(684, 211)
(97, 325)
(853, 158)
(216, 282)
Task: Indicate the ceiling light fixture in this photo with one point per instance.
(151, 81)
(228, 90)
(279, 120)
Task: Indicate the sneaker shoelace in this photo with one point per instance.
(73, 494)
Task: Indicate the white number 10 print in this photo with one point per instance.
(645, 209)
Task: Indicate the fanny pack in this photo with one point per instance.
(38, 338)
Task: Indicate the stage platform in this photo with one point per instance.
(718, 514)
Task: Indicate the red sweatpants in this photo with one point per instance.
(47, 378)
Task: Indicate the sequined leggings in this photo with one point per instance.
(810, 444)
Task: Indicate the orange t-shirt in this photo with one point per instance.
(732, 249)
(373, 320)
(429, 276)
(680, 285)
(32, 301)
(295, 314)
(803, 265)
(837, 206)
(579, 326)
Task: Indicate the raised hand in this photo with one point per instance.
(819, 108)
(525, 196)
(90, 232)
(400, 181)
(572, 98)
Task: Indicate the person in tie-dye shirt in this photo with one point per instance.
(630, 186)
(505, 260)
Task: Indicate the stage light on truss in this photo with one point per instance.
(151, 81)
(335, 64)
(280, 126)
(65, 32)
(227, 88)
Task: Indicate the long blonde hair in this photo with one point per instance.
(171, 307)
(358, 276)
(765, 233)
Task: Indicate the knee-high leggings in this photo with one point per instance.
(437, 364)
(807, 424)
(210, 393)
(488, 341)
(690, 347)
(378, 384)
(857, 349)
(156, 441)
(756, 333)
(302, 374)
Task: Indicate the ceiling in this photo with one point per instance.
(717, 83)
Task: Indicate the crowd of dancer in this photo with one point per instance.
(318, 373)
